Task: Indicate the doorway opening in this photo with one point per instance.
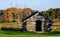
(38, 25)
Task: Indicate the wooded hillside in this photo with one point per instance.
(12, 14)
(53, 13)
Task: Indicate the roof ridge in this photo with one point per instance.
(30, 15)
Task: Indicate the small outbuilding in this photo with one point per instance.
(37, 21)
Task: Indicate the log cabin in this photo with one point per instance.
(37, 21)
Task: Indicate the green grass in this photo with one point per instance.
(27, 34)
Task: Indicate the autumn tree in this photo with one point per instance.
(16, 14)
(26, 12)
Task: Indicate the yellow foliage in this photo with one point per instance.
(13, 12)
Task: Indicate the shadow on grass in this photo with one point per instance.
(11, 31)
(55, 33)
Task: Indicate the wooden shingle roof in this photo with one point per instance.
(40, 14)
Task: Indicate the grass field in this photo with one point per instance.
(28, 34)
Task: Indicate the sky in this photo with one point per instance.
(40, 5)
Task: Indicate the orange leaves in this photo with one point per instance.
(11, 13)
